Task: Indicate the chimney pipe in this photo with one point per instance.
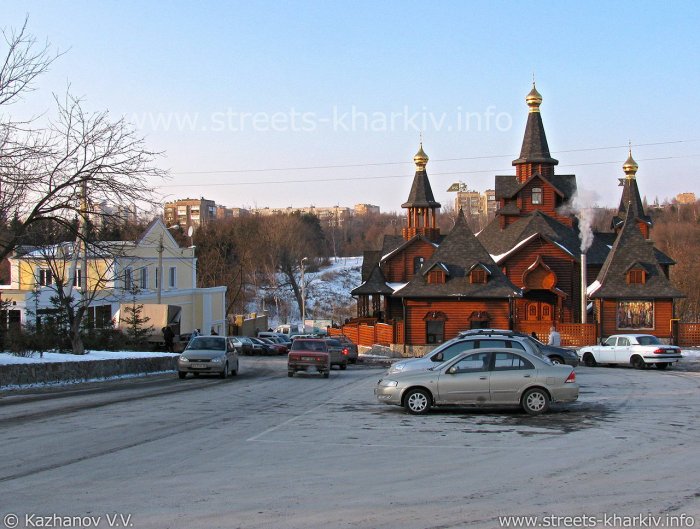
(584, 286)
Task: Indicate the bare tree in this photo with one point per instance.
(44, 171)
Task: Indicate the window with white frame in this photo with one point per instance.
(172, 277)
(128, 279)
(78, 278)
(143, 279)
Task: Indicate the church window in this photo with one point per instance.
(417, 263)
(636, 277)
(478, 276)
(537, 195)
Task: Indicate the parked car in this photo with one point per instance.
(309, 354)
(246, 345)
(483, 377)
(261, 348)
(338, 352)
(277, 348)
(468, 340)
(637, 350)
(352, 347)
(558, 355)
(208, 355)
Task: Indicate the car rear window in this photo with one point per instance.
(648, 340)
(509, 361)
(308, 345)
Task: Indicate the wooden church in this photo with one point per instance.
(531, 268)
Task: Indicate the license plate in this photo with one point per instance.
(199, 366)
(307, 358)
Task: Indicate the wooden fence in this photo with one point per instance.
(688, 334)
(371, 334)
(572, 334)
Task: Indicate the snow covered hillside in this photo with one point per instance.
(327, 294)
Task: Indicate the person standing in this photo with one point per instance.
(554, 337)
(168, 338)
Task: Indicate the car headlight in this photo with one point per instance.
(388, 383)
(182, 359)
(217, 360)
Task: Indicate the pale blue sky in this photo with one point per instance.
(304, 71)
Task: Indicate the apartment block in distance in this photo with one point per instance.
(189, 212)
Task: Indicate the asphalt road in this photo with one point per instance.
(262, 450)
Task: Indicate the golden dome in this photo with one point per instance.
(534, 99)
(630, 166)
(421, 159)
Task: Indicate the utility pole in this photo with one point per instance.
(160, 268)
(303, 295)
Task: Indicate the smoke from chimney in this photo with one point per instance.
(581, 205)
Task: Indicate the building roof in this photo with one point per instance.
(375, 284)
(508, 186)
(459, 252)
(630, 204)
(631, 249)
(535, 148)
(421, 195)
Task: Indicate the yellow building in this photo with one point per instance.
(112, 271)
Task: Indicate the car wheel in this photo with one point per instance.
(417, 402)
(556, 360)
(181, 374)
(535, 401)
(662, 365)
(343, 367)
(224, 373)
(637, 362)
(589, 360)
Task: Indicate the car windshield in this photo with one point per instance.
(207, 343)
(441, 347)
(648, 340)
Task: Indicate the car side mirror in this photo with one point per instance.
(452, 370)
(437, 358)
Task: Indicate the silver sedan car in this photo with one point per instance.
(209, 355)
(483, 377)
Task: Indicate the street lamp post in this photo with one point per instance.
(303, 295)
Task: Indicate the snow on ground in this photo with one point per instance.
(8, 358)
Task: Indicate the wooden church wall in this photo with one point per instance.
(458, 316)
(663, 313)
(399, 268)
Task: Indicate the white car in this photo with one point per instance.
(637, 350)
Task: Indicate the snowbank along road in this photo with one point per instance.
(265, 451)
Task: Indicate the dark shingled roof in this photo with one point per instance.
(459, 252)
(499, 242)
(507, 186)
(632, 249)
(631, 201)
(370, 259)
(535, 148)
(421, 195)
(375, 284)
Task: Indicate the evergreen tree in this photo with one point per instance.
(136, 328)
